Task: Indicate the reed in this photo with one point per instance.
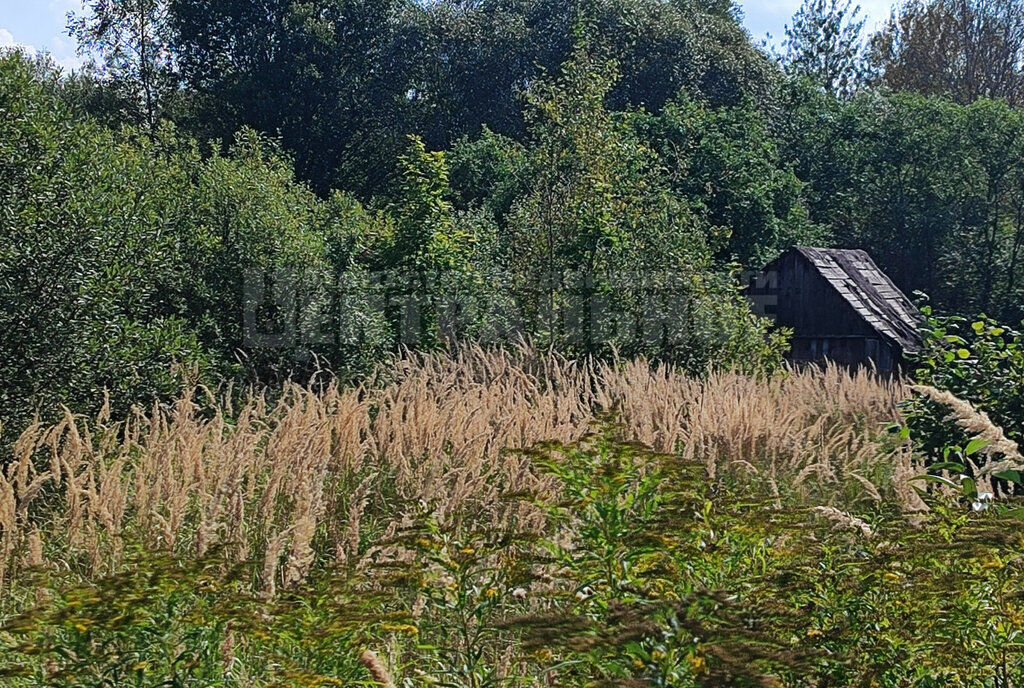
(328, 477)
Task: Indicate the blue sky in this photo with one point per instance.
(763, 17)
(39, 24)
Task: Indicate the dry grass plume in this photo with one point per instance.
(329, 476)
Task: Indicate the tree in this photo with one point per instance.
(473, 60)
(726, 163)
(328, 78)
(964, 49)
(430, 253)
(342, 82)
(128, 259)
(602, 256)
(131, 39)
(824, 44)
(932, 189)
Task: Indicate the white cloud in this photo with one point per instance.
(7, 42)
(62, 50)
(6, 39)
(61, 47)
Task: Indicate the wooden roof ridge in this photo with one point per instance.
(856, 277)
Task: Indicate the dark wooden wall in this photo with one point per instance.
(849, 351)
(825, 325)
(810, 305)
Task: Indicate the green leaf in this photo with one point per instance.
(963, 353)
(976, 445)
(954, 466)
(969, 487)
(937, 479)
(1011, 476)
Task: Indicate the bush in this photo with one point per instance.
(126, 259)
(645, 571)
(979, 361)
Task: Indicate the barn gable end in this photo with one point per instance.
(840, 306)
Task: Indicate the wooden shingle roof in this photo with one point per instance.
(870, 292)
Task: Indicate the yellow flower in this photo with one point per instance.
(994, 563)
(698, 663)
(400, 628)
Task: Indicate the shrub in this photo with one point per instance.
(979, 361)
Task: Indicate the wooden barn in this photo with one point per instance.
(840, 306)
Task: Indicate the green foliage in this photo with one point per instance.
(86, 257)
(328, 78)
(162, 622)
(727, 164)
(677, 580)
(931, 189)
(467, 590)
(130, 37)
(928, 187)
(344, 81)
(961, 50)
(643, 569)
(824, 44)
(979, 361)
(124, 258)
(601, 219)
(436, 257)
(157, 624)
(489, 171)
(150, 262)
(605, 256)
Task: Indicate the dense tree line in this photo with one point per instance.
(244, 189)
(133, 261)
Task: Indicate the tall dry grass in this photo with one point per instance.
(330, 476)
(1002, 453)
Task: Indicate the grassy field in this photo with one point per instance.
(505, 518)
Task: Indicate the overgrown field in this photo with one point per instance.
(492, 518)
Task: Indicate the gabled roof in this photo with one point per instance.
(869, 291)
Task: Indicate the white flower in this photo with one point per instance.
(981, 503)
(519, 593)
